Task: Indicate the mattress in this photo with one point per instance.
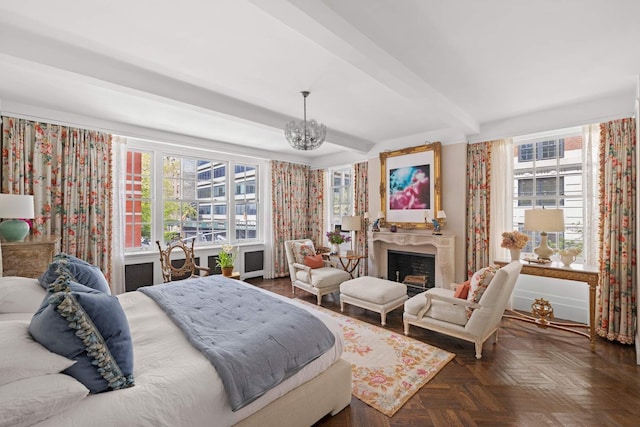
(174, 383)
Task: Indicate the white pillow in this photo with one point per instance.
(31, 400)
(22, 357)
(20, 295)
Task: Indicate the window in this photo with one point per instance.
(341, 203)
(548, 174)
(181, 201)
(189, 199)
(138, 203)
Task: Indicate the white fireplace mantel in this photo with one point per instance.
(442, 246)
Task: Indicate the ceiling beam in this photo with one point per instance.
(116, 74)
(316, 21)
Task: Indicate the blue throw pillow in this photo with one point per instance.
(64, 284)
(92, 329)
(70, 258)
(81, 272)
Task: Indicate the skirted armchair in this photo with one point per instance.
(474, 318)
(314, 275)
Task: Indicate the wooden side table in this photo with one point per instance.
(29, 258)
(234, 275)
(352, 262)
(577, 272)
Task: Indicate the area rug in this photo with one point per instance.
(387, 368)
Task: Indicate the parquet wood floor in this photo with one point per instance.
(531, 377)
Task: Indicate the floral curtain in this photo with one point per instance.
(616, 302)
(361, 205)
(290, 190)
(478, 205)
(316, 206)
(68, 171)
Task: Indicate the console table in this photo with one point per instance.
(556, 270)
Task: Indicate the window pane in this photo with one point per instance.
(548, 173)
(137, 200)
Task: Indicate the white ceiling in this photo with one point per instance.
(227, 73)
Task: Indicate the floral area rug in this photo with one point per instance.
(387, 368)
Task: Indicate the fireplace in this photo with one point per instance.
(416, 270)
(441, 247)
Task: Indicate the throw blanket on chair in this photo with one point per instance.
(254, 340)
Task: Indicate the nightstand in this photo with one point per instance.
(29, 258)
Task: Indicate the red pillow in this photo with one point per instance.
(462, 290)
(313, 261)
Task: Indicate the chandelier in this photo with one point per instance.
(304, 135)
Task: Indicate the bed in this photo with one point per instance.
(175, 384)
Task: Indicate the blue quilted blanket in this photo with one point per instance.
(254, 340)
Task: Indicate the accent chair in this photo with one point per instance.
(474, 318)
(323, 280)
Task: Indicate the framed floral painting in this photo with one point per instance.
(410, 187)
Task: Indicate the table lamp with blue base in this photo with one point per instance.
(13, 209)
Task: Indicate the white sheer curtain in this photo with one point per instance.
(501, 199)
(590, 180)
(119, 181)
(268, 271)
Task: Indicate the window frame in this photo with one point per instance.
(333, 222)
(564, 170)
(159, 150)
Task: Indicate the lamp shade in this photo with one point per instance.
(351, 223)
(441, 214)
(549, 220)
(13, 206)
(380, 214)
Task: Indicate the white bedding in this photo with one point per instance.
(174, 383)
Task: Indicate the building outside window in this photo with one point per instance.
(245, 198)
(191, 200)
(138, 200)
(548, 174)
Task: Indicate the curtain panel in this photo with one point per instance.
(290, 194)
(617, 299)
(361, 205)
(68, 171)
(478, 205)
(316, 207)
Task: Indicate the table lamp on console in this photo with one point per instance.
(14, 208)
(352, 223)
(544, 220)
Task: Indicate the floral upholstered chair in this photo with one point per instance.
(310, 272)
(474, 318)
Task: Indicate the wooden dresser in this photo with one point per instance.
(29, 258)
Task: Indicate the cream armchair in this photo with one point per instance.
(438, 310)
(318, 281)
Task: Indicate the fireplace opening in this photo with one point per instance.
(416, 270)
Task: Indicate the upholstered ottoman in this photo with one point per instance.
(374, 294)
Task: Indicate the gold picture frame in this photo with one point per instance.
(410, 186)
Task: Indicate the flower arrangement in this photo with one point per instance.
(226, 257)
(514, 240)
(336, 237)
(570, 251)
